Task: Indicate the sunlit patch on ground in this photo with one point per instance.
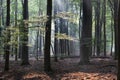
(88, 76)
(36, 76)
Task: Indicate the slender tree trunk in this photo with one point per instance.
(115, 27)
(112, 28)
(112, 36)
(94, 47)
(37, 42)
(56, 43)
(40, 36)
(47, 61)
(104, 25)
(61, 40)
(0, 14)
(16, 7)
(80, 23)
(1, 4)
(68, 41)
(2, 17)
(7, 47)
(56, 31)
(118, 27)
(98, 30)
(25, 57)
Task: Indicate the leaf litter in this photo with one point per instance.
(65, 69)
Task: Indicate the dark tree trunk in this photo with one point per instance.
(1, 4)
(68, 41)
(16, 7)
(104, 25)
(112, 36)
(115, 27)
(98, 29)
(110, 3)
(7, 47)
(118, 27)
(37, 46)
(40, 37)
(40, 44)
(61, 43)
(56, 31)
(56, 43)
(86, 34)
(94, 47)
(47, 64)
(80, 23)
(25, 60)
(2, 13)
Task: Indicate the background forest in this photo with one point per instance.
(55, 30)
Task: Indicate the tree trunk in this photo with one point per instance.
(115, 27)
(94, 47)
(47, 64)
(7, 47)
(1, 4)
(37, 46)
(25, 60)
(98, 30)
(2, 13)
(86, 34)
(112, 36)
(104, 25)
(16, 7)
(118, 27)
(56, 31)
(40, 36)
(61, 43)
(56, 42)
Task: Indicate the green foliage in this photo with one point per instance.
(37, 19)
(13, 32)
(71, 17)
(64, 36)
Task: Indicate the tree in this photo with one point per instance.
(16, 7)
(56, 31)
(25, 60)
(104, 25)
(86, 34)
(98, 29)
(115, 27)
(118, 76)
(47, 64)
(2, 12)
(7, 47)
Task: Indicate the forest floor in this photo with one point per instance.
(66, 69)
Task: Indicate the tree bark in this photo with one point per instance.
(98, 29)
(86, 34)
(47, 61)
(118, 27)
(16, 7)
(115, 28)
(7, 47)
(56, 31)
(104, 25)
(25, 57)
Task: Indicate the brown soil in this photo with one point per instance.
(66, 69)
